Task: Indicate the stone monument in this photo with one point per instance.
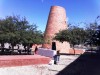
(56, 22)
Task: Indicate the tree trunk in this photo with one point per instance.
(2, 48)
(12, 50)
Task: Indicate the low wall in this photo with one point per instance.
(46, 52)
(77, 51)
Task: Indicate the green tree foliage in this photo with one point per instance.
(73, 35)
(95, 39)
(93, 31)
(15, 30)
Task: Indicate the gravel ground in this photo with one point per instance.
(39, 69)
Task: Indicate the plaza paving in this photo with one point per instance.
(39, 69)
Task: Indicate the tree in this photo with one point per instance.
(16, 30)
(73, 35)
(95, 38)
(93, 31)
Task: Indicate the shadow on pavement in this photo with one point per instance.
(87, 64)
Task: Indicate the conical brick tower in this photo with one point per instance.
(56, 22)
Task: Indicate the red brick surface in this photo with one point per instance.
(48, 46)
(8, 61)
(77, 51)
(56, 22)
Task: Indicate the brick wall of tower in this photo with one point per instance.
(56, 22)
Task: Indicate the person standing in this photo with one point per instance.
(57, 57)
(36, 50)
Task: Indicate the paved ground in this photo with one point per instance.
(39, 69)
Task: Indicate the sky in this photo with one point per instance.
(37, 11)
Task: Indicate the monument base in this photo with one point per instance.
(64, 47)
(22, 60)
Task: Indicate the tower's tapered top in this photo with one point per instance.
(59, 7)
(56, 21)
